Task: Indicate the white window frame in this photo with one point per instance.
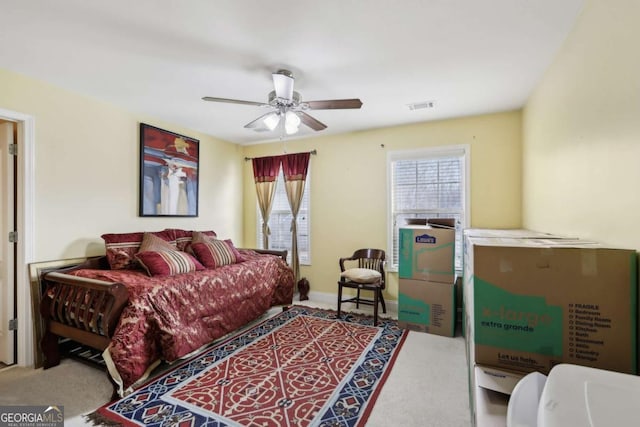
(463, 151)
(280, 191)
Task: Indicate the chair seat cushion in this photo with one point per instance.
(361, 275)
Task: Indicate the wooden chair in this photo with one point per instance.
(364, 270)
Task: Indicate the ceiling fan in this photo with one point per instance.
(288, 109)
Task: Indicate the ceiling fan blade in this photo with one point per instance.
(266, 122)
(232, 101)
(257, 123)
(310, 121)
(334, 104)
(283, 83)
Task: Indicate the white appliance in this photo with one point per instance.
(577, 396)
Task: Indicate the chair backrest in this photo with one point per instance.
(370, 258)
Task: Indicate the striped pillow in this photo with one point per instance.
(215, 253)
(183, 237)
(151, 242)
(168, 263)
(122, 247)
(201, 237)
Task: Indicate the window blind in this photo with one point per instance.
(427, 187)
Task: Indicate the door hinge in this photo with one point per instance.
(13, 236)
(13, 324)
(13, 149)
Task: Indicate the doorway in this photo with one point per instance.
(8, 189)
(19, 308)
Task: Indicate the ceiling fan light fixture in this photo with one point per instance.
(271, 120)
(291, 123)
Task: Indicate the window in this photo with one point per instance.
(280, 223)
(430, 183)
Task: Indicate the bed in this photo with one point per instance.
(139, 319)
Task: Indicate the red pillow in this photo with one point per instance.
(183, 237)
(216, 253)
(151, 242)
(203, 237)
(168, 263)
(122, 247)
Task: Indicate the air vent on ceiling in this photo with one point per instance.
(421, 105)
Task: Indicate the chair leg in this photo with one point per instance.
(339, 298)
(375, 307)
(384, 307)
(358, 299)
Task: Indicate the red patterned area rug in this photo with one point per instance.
(302, 367)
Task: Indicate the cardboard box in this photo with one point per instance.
(426, 253)
(500, 380)
(509, 233)
(533, 305)
(427, 307)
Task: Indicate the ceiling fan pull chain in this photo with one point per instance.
(282, 120)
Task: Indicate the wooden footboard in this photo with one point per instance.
(84, 310)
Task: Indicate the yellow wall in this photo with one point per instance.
(581, 131)
(349, 187)
(86, 177)
(87, 171)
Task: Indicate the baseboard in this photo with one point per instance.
(330, 299)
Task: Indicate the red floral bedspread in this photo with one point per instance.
(169, 317)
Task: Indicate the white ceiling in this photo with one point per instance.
(160, 57)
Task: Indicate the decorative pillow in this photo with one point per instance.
(122, 247)
(151, 242)
(168, 263)
(361, 275)
(183, 238)
(216, 253)
(201, 237)
(236, 252)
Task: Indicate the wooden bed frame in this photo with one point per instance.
(84, 310)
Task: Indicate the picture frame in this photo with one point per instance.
(38, 288)
(169, 166)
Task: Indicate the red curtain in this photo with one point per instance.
(266, 169)
(265, 173)
(295, 168)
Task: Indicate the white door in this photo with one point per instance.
(6, 248)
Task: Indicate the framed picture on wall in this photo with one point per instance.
(169, 165)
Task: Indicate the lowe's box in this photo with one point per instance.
(534, 304)
(426, 253)
(427, 306)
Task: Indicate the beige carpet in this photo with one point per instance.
(427, 386)
(76, 386)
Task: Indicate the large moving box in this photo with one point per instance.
(532, 304)
(510, 233)
(427, 306)
(426, 253)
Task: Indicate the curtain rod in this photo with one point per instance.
(313, 152)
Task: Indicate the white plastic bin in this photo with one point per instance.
(523, 403)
